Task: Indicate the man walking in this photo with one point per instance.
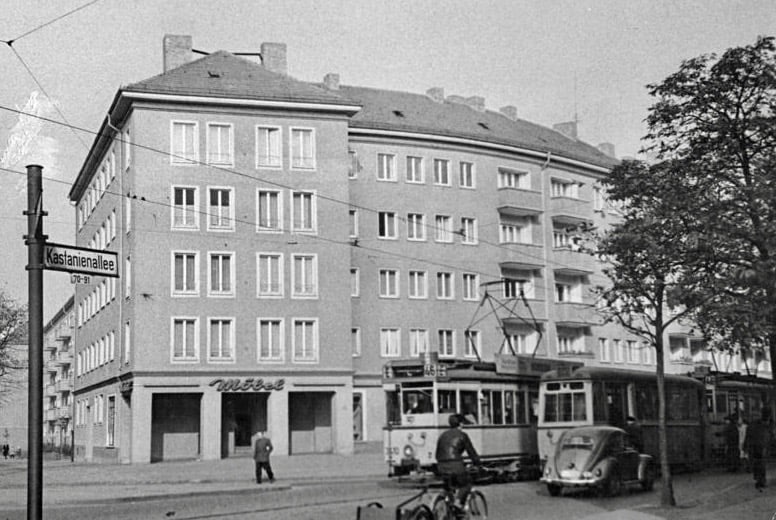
(261, 451)
(758, 436)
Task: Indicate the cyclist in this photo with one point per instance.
(449, 455)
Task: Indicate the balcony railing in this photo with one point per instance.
(570, 210)
(51, 389)
(63, 412)
(64, 385)
(566, 260)
(514, 255)
(576, 314)
(519, 202)
(536, 310)
(51, 414)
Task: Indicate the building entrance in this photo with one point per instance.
(242, 416)
(309, 422)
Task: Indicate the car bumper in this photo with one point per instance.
(574, 482)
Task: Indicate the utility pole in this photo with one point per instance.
(35, 240)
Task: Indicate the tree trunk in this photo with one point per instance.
(667, 489)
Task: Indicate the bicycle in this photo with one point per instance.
(443, 506)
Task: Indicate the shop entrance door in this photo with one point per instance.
(242, 416)
(310, 422)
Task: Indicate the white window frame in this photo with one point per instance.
(259, 275)
(392, 233)
(443, 229)
(270, 164)
(415, 290)
(315, 338)
(604, 351)
(386, 335)
(313, 294)
(183, 209)
(418, 336)
(471, 287)
(389, 289)
(467, 350)
(183, 159)
(184, 360)
(440, 346)
(184, 293)
(355, 282)
(232, 335)
(280, 358)
(617, 350)
(416, 227)
(438, 171)
(279, 197)
(229, 153)
(441, 276)
(420, 174)
(313, 225)
(232, 275)
(292, 148)
(386, 167)
(229, 218)
(471, 174)
(353, 223)
(355, 341)
(467, 237)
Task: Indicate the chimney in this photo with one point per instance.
(331, 81)
(273, 57)
(437, 94)
(452, 98)
(509, 111)
(607, 148)
(177, 50)
(569, 129)
(476, 102)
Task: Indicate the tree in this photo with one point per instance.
(649, 258)
(13, 332)
(715, 118)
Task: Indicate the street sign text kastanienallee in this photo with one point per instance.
(80, 260)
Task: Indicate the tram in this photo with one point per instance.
(600, 395)
(497, 399)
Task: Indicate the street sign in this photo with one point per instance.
(80, 260)
(77, 278)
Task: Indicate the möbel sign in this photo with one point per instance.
(80, 260)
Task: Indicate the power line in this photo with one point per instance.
(46, 24)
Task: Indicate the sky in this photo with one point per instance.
(554, 60)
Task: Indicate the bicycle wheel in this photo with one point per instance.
(477, 506)
(441, 508)
(421, 512)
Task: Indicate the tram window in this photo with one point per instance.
(599, 402)
(722, 409)
(565, 407)
(392, 410)
(709, 401)
(498, 416)
(417, 401)
(447, 401)
(551, 408)
(487, 407)
(469, 407)
(533, 398)
(509, 407)
(681, 404)
(520, 407)
(553, 387)
(646, 403)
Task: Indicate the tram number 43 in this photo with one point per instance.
(434, 370)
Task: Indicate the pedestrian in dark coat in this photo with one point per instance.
(731, 443)
(261, 451)
(758, 437)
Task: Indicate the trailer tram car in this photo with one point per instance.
(497, 400)
(600, 395)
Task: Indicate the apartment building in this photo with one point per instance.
(58, 377)
(280, 240)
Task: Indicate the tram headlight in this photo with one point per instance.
(587, 474)
(409, 452)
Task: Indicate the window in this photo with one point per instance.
(354, 284)
(562, 292)
(418, 342)
(271, 339)
(353, 166)
(569, 344)
(386, 224)
(127, 342)
(598, 199)
(618, 353)
(446, 343)
(646, 353)
(184, 209)
(304, 276)
(220, 339)
(466, 175)
(513, 179)
(416, 226)
(220, 209)
(269, 211)
(355, 341)
(560, 188)
(353, 214)
(128, 277)
(603, 349)
(471, 346)
(471, 287)
(390, 343)
(445, 286)
(468, 230)
(221, 275)
(303, 211)
(414, 169)
(268, 154)
(302, 148)
(128, 214)
(185, 273)
(514, 231)
(127, 150)
(443, 231)
(183, 147)
(389, 283)
(522, 342)
(386, 167)
(185, 339)
(269, 267)
(219, 144)
(418, 285)
(305, 344)
(633, 353)
(442, 172)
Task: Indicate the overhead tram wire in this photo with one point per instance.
(269, 182)
(46, 24)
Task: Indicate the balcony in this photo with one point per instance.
(50, 415)
(51, 390)
(63, 412)
(570, 211)
(64, 385)
(576, 315)
(64, 358)
(519, 202)
(522, 314)
(519, 256)
(575, 263)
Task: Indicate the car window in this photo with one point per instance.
(584, 442)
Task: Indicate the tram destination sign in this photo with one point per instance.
(71, 259)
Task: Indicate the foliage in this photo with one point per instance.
(13, 333)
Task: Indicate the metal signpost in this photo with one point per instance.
(83, 264)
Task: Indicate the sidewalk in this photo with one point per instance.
(65, 482)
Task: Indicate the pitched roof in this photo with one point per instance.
(403, 111)
(223, 74)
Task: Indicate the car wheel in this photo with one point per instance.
(649, 478)
(554, 489)
(613, 486)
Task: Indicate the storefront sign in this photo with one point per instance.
(247, 384)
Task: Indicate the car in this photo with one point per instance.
(597, 457)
